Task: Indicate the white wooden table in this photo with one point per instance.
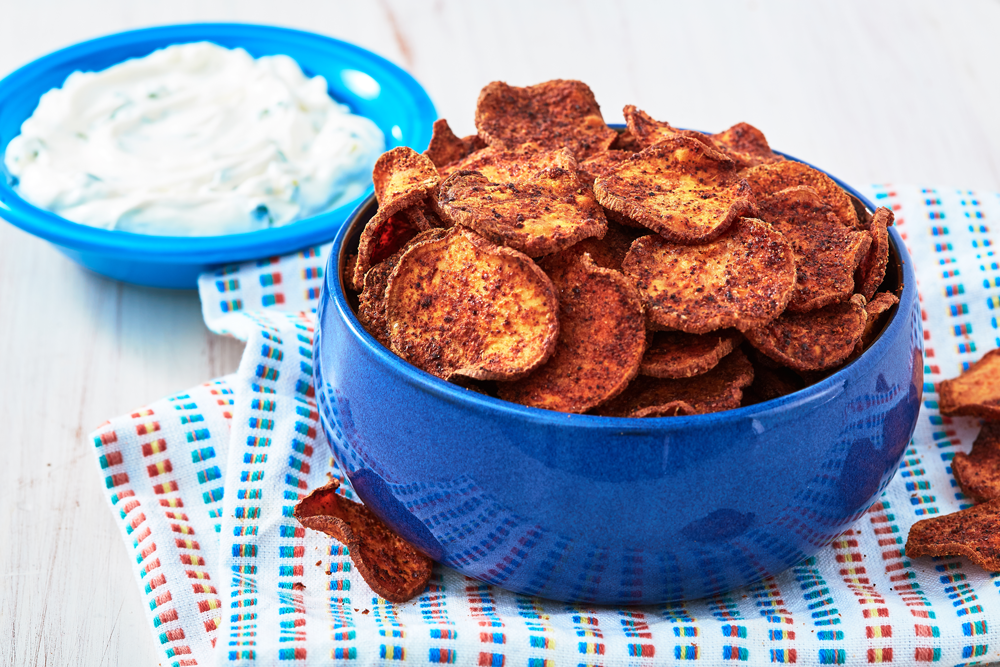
(872, 90)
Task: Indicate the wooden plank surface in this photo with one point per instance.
(874, 91)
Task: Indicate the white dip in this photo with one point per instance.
(194, 139)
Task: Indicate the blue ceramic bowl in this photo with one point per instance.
(613, 510)
(370, 85)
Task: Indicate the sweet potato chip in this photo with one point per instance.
(679, 188)
(648, 132)
(402, 177)
(766, 179)
(554, 114)
(608, 252)
(745, 145)
(871, 271)
(602, 336)
(547, 213)
(445, 148)
(976, 392)
(719, 389)
(978, 472)
(371, 301)
(383, 236)
(516, 165)
(826, 252)
(601, 165)
(742, 279)
(390, 565)
(812, 341)
(422, 217)
(876, 310)
(972, 532)
(459, 305)
(675, 354)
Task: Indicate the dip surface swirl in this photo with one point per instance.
(193, 140)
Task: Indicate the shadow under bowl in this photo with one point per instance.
(607, 510)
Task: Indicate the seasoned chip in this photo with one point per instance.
(547, 213)
(625, 141)
(402, 177)
(742, 279)
(423, 217)
(826, 252)
(445, 148)
(876, 311)
(459, 305)
(371, 301)
(978, 472)
(871, 271)
(719, 389)
(972, 532)
(602, 336)
(601, 164)
(766, 179)
(383, 235)
(675, 354)
(745, 145)
(554, 114)
(679, 188)
(522, 163)
(648, 132)
(608, 252)
(815, 340)
(976, 392)
(390, 565)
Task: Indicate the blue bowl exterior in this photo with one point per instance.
(400, 107)
(609, 510)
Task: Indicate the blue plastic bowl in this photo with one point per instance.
(612, 510)
(370, 85)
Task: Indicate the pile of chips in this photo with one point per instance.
(972, 532)
(553, 261)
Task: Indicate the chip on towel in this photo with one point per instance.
(978, 472)
(826, 252)
(871, 271)
(540, 216)
(976, 392)
(813, 341)
(459, 305)
(602, 337)
(390, 565)
(678, 188)
(719, 389)
(972, 532)
(675, 354)
(555, 114)
(767, 179)
(742, 279)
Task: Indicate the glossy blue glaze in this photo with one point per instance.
(613, 510)
(370, 85)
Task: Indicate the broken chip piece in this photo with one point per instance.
(812, 341)
(721, 388)
(602, 336)
(742, 279)
(978, 472)
(871, 270)
(459, 305)
(554, 114)
(547, 213)
(826, 252)
(390, 565)
(766, 179)
(675, 354)
(679, 188)
(972, 532)
(976, 392)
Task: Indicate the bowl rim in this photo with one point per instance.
(820, 392)
(223, 248)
